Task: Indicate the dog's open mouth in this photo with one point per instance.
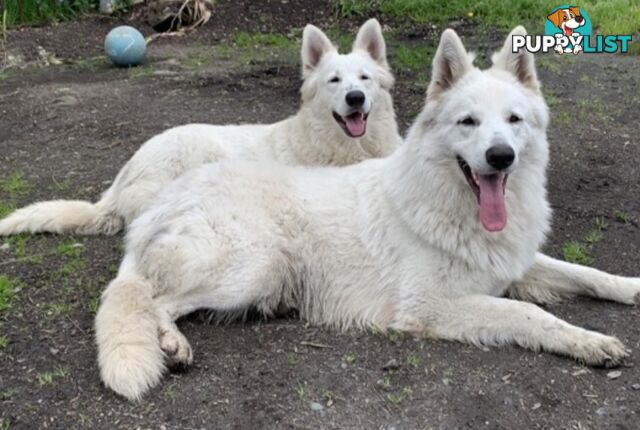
(354, 124)
(490, 192)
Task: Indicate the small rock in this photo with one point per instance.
(66, 100)
(614, 374)
(54, 351)
(580, 372)
(5, 247)
(315, 406)
(636, 387)
(536, 406)
(391, 365)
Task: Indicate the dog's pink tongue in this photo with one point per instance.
(493, 211)
(356, 124)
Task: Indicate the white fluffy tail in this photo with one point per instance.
(129, 354)
(64, 216)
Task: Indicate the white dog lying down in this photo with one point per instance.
(346, 116)
(427, 241)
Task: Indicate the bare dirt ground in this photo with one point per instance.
(65, 131)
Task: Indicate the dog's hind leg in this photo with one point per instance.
(485, 320)
(550, 280)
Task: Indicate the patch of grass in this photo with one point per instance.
(139, 72)
(94, 305)
(4, 341)
(243, 39)
(58, 310)
(71, 250)
(594, 236)
(343, 40)
(328, 397)
(622, 216)
(551, 99)
(14, 185)
(302, 389)
(19, 12)
(6, 208)
(8, 289)
(575, 252)
(601, 224)
(18, 244)
(394, 335)
(397, 398)
(415, 59)
(413, 360)
(350, 358)
(605, 16)
(48, 378)
(292, 359)
(248, 47)
(197, 57)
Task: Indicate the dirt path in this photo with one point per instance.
(66, 130)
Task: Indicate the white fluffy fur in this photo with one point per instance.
(312, 138)
(388, 243)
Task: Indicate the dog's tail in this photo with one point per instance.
(65, 216)
(129, 354)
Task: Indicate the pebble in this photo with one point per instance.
(5, 247)
(316, 406)
(614, 374)
(536, 406)
(636, 387)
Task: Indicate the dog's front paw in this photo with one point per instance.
(559, 49)
(577, 49)
(597, 349)
(176, 348)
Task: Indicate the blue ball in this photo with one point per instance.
(125, 46)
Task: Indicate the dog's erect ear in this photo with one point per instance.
(520, 63)
(575, 10)
(371, 40)
(556, 17)
(315, 44)
(450, 63)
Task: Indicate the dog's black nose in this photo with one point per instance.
(579, 19)
(500, 156)
(355, 98)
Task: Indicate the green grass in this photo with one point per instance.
(20, 12)
(248, 47)
(415, 59)
(48, 378)
(6, 208)
(140, 72)
(71, 250)
(622, 216)
(413, 360)
(576, 252)
(605, 15)
(8, 288)
(4, 342)
(350, 358)
(14, 185)
(244, 39)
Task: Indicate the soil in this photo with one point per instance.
(69, 128)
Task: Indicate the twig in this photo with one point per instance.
(315, 345)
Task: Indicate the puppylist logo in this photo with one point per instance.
(568, 30)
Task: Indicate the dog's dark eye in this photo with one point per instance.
(334, 80)
(467, 121)
(514, 118)
(364, 77)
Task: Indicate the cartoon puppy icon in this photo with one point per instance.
(567, 20)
